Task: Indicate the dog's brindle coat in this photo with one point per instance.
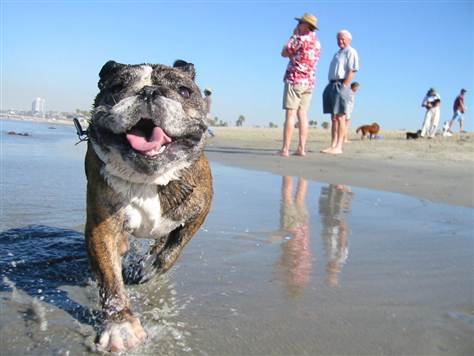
(147, 176)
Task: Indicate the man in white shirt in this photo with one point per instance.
(336, 95)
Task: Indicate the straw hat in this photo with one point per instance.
(310, 19)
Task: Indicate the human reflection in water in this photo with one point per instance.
(295, 264)
(334, 205)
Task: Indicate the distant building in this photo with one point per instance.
(37, 106)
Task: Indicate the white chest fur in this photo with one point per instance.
(144, 217)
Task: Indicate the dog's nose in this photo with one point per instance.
(149, 92)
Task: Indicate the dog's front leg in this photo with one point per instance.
(176, 242)
(106, 243)
(122, 329)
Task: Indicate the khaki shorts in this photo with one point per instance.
(296, 96)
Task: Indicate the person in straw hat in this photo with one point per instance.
(303, 50)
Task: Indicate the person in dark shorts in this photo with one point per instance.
(337, 94)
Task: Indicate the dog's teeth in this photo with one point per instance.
(155, 151)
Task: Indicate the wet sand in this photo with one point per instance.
(281, 266)
(439, 170)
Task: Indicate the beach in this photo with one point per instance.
(283, 265)
(439, 169)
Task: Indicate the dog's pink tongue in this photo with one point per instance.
(150, 146)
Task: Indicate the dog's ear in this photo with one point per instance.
(107, 69)
(186, 67)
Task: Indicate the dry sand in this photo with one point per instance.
(440, 169)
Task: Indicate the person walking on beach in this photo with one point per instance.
(354, 87)
(459, 108)
(336, 95)
(208, 103)
(432, 103)
(303, 50)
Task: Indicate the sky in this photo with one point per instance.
(55, 50)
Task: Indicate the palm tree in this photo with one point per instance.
(240, 120)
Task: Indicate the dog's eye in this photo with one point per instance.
(184, 92)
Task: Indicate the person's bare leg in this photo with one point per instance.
(461, 125)
(288, 132)
(303, 132)
(346, 135)
(341, 133)
(341, 129)
(334, 133)
(301, 189)
(286, 190)
(451, 123)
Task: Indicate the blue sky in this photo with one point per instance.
(55, 49)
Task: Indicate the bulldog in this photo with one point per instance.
(147, 176)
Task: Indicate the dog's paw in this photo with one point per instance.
(118, 337)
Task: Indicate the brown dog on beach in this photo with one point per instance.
(371, 130)
(147, 176)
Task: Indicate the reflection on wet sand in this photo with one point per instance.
(222, 298)
(334, 205)
(295, 264)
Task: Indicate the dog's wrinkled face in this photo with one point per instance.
(148, 121)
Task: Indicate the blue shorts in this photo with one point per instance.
(336, 98)
(457, 116)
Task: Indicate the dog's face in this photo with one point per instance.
(148, 121)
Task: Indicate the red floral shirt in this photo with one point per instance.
(304, 54)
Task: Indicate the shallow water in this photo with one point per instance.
(281, 266)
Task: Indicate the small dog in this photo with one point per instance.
(371, 130)
(147, 176)
(446, 129)
(413, 135)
